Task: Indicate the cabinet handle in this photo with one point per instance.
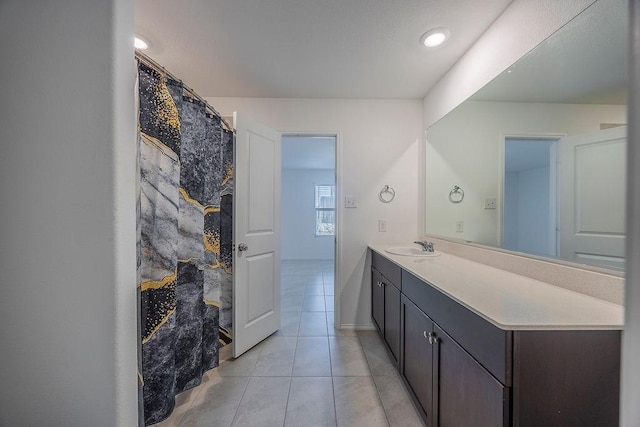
(432, 338)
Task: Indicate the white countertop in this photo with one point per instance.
(507, 300)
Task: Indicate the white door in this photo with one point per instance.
(256, 290)
(592, 197)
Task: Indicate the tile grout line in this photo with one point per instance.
(366, 357)
(335, 404)
(335, 416)
(333, 386)
(286, 405)
(240, 401)
(295, 354)
(248, 381)
(293, 363)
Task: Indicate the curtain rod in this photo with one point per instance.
(160, 69)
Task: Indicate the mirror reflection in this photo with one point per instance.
(540, 152)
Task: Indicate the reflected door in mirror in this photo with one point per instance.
(592, 201)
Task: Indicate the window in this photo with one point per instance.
(325, 210)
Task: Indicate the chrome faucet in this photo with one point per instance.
(426, 246)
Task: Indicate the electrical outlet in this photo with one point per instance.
(350, 202)
(382, 226)
(459, 226)
(490, 203)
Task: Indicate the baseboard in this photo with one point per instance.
(368, 327)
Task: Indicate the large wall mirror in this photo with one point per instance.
(538, 155)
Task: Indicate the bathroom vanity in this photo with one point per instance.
(479, 346)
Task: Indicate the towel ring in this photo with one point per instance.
(456, 195)
(387, 194)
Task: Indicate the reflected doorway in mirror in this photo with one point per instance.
(529, 195)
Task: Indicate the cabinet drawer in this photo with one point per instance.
(489, 345)
(388, 269)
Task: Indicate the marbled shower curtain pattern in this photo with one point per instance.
(185, 223)
(226, 238)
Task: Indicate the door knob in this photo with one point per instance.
(242, 247)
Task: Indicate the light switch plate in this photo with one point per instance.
(350, 202)
(382, 226)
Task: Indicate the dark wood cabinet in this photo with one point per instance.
(463, 370)
(566, 378)
(416, 365)
(377, 299)
(385, 301)
(451, 387)
(488, 344)
(388, 269)
(467, 394)
(392, 318)
(385, 310)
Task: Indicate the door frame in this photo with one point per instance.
(553, 207)
(337, 245)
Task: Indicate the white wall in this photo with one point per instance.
(298, 214)
(378, 144)
(464, 149)
(67, 168)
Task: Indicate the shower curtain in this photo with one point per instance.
(185, 160)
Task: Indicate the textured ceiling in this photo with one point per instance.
(310, 48)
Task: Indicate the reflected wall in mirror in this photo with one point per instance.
(547, 141)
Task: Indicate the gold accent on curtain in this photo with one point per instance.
(157, 284)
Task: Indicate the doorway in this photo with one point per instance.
(308, 227)
(530, 186)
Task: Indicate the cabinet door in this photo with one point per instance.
(377, 300)
(417, 355)
(468, 395)
(392, 318)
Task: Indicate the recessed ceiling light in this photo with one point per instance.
(434, 37)
(138, 43)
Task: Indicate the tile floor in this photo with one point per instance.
(307, 374)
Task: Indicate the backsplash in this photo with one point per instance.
(597, 284)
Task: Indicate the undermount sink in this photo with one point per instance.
(411, 251)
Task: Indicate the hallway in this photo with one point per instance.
(307, 374)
